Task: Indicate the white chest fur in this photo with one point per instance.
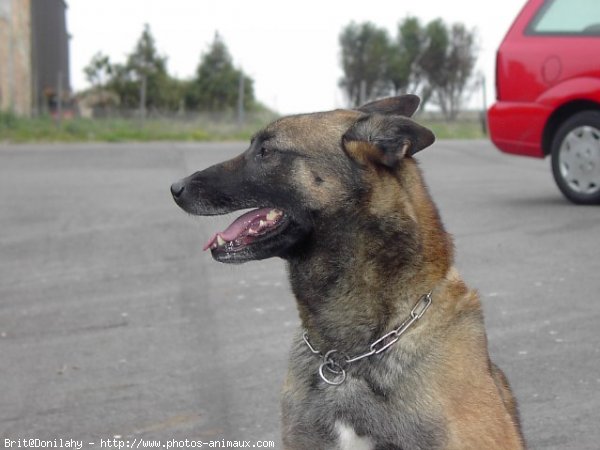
(349, 440)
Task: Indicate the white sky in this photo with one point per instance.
(290, 48)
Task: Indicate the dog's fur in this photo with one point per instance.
(363, 242)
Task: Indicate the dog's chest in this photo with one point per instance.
(347, 439)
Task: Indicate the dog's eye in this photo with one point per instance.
(264, 151)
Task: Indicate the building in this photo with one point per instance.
(15, 56)
(34, 56)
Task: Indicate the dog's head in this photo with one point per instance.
(301, 172)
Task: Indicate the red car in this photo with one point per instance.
(548, 92)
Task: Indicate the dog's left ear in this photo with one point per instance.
(385, 139)
(402, 105)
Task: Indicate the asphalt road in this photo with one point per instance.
(113, 322)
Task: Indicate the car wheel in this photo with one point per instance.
(576, 158)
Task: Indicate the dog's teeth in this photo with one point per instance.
(262, 223)
(273, 214)
(220, 240)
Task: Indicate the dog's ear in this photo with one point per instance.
(402, 105)
(385, 140)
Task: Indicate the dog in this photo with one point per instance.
(392, 351)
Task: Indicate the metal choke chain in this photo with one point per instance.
(334, 368)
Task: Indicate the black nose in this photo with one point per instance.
(177, 188)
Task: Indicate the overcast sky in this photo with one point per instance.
(290, 49)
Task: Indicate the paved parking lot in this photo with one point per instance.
(113, 322)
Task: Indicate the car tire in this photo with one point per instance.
(576, 158)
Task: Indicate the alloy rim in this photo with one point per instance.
(579, 160)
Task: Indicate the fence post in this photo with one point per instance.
(143, 98)
(484, 124)
(59, 95)
(240, 103)
(362, 99)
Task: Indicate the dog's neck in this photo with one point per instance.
(366, 276)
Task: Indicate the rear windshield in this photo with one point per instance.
(567, 17)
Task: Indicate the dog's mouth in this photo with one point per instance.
(252, 227)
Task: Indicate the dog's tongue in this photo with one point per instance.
(240, 224)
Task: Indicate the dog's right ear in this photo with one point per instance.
(385, 140)
(402, 105)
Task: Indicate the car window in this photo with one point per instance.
(571, 17)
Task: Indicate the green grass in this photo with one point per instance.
(201, 128)
(459, 129)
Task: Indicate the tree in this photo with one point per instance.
(447, 62)
(217, 82)
(98, 71)
(365, 50)
(435, 62)
(143, 79)
(402, 69)
(145, 74)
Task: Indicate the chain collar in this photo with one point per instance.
(331, 370)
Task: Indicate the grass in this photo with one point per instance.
(199, 128)
(458, 129)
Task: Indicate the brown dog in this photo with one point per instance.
(392, 353)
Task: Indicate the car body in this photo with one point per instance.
(547, 74)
